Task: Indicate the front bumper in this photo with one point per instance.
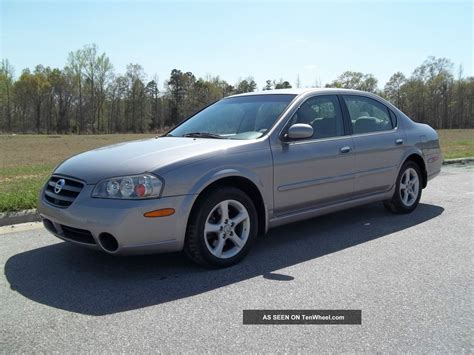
(123, 219)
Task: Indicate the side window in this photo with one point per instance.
(394, 118)
(324, 114)
(367, 115)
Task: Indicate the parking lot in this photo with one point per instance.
(410, 275)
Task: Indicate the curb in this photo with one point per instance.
(458, 161)
(8, 218)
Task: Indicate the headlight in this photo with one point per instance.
(129, 187)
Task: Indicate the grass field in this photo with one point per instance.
(27, 160)
(457, 143)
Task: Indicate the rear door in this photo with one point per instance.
(378, 143)
(319, 170)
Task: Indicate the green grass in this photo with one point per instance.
(27, 160)
(19, 186)
(20, 195)
(457, 143)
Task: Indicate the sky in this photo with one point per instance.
(314, 40)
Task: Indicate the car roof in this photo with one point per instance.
(302, 91)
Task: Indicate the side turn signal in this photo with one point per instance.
(164, 212)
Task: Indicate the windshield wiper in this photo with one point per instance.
(203, 135)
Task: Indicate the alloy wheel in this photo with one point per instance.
(409, 187)
(227, 229)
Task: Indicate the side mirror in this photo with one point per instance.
(300, 131)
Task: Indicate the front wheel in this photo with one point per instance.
(222, 228)
(407, 190)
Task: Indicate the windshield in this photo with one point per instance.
(242, 117)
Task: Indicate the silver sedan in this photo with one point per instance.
(239, 167)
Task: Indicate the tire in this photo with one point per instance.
(216, 240)
(406, 196)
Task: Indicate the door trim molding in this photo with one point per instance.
(321, 181)
(384, 169)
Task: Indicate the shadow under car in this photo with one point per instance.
(79, 280)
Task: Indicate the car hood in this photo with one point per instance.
(141, 156)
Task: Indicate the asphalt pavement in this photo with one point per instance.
(410, 275)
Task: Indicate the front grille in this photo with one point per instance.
(77, 235)
(66, 195)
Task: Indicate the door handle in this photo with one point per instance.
(399, 141)
(345, 149)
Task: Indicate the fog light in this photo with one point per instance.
(108, 242)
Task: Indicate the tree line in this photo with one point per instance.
(87, 96)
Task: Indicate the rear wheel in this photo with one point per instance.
(407, 191)
(222, 228)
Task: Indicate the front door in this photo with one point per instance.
(319, 170)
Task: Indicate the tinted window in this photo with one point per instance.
(367, 115)
(394, 118)
(241, 117)
(323, 114)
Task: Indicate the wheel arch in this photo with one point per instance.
(418, 159)
(240, 182)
